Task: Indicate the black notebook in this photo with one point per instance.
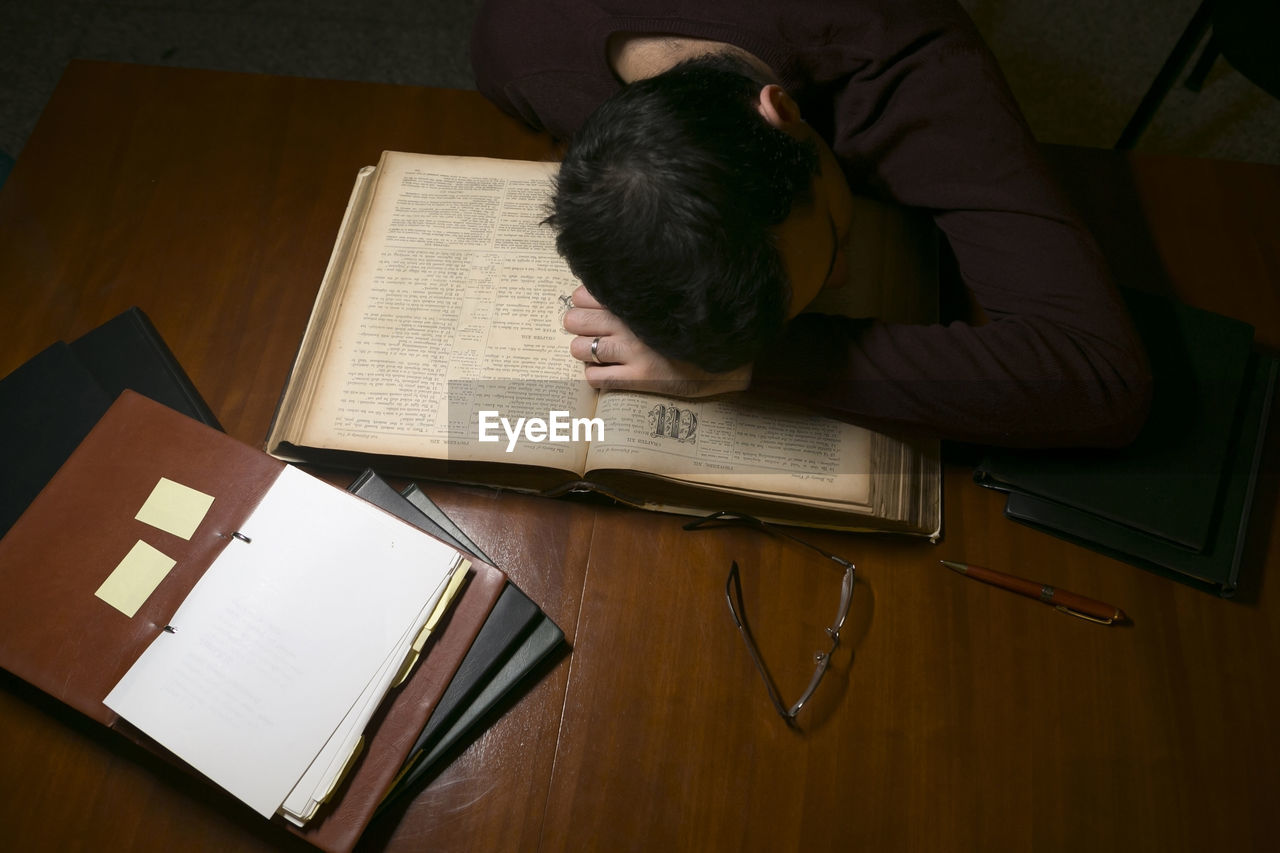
(1177, 501)
(516, 637)
(52, 401)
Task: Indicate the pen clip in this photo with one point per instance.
(1062, 608)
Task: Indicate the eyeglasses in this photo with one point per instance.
(733, 594)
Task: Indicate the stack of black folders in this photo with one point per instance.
(73, 453)
(515, 639)
(1177, 501)
(52, 401)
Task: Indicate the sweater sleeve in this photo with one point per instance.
(928, 121)
(543, 61)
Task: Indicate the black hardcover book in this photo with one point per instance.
(1176, 501)
(52, 401)
(515, 638)
(536, 646)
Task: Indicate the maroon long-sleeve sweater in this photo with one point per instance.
(916, 110)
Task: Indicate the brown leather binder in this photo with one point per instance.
(56, 634)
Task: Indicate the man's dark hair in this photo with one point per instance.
(664, 204)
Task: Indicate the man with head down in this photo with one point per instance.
(705, 199)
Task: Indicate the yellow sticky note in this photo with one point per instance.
(175, 508)
(135, 578)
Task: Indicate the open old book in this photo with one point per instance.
(435, 349)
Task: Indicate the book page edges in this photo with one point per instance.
(442, 606)
(456, 579)
(762, 507)
(623, 487)
(290, 416)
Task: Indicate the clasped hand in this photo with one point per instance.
(628, 364)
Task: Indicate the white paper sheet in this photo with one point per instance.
(308, 794)
(281, 636)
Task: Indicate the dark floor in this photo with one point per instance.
(1078, 68)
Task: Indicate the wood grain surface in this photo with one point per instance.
(955, 716)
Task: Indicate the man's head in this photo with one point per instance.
(675, 199)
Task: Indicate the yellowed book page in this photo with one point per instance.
(903, 484)
(809, 460)
(291, 413)
(731, 444)
(455, 280)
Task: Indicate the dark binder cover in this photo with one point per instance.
(1216, 568)
(515, 638)
(431, 510)
(77, 529)
(1168, 482)
(506, 655)
(537, 646)
(377, 491)
(49, 403)
(1177, 500)
(128, 352)
(52, 401)
(512, 619)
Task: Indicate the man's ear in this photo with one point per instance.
(777, 107)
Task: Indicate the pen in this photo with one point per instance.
(1067, 602)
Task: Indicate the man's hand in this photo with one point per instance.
(627, 364)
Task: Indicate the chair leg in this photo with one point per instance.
(1168, 75)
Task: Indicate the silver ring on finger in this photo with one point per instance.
(595, 350)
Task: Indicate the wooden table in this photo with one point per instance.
(955, 717)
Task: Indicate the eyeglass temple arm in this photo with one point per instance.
(732, 589)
